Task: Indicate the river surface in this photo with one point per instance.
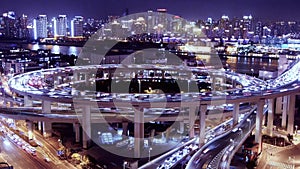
(237, 64)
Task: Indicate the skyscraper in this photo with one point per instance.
(60, 25)
(77, 26)
(9, 19)
(40, 27)
(22, 27)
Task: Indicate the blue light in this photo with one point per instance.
(54, 26)
(72, 28)
(34, 29)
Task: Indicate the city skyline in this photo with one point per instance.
(265, 10)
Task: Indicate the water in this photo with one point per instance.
(237, 64)
(56, 49)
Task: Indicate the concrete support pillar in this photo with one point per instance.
(4, 102)
(192, 118)
(235, 115)
(29, 125)
(76, 127)
(258, 125)
(138, 132)
(270, 116)
(125, 128)
(75, 76)
(47, 126)
(56, 81)
(278, 105)
(202, 117)
(27, 101)
(86, 125)
(284, 111)
(291, 114)
(181, 127)
(213, 82)
(39, 125)
(87, 77)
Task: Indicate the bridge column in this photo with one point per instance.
(87, 77)
(291, 114)
(125, 128)
(75, 76)
(284, 111)
(29, 125)
(27, 101)
(258, 125)
(270, 116)
(76, 127)
(138, 131)
(39, 125)
(56, 80)
(47, 126)
(236, 112)
(202, 117)
(181, 127)
(86, 125)
(192, 118)
(279, 105)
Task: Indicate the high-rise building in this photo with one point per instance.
(150, 21)
(258, 29)
(60, 25)
(2, 26)
(9, 19)
(40, 27)
(22, 27)
(161, 19)
(77, 26)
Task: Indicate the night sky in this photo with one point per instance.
(188, 9)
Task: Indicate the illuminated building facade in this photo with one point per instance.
(40, 27)
(77, 26)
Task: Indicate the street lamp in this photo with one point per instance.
(124, 164)
(248, 120)
(252, 71)
(232, 141)
(149, 153)
(296, 130)
(241, 132)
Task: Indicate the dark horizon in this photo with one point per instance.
(188, 9)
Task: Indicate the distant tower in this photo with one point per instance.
(22, 27)
(9, 19)
(40, 27)
(77, 26)
(60, 25)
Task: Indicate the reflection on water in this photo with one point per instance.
(56, 49)
(238, 64)
(245, 64)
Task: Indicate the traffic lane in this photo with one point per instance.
(212, 150)
(48, 150)
(19, 158)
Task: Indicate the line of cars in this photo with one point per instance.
(19, 141)
(178, 156)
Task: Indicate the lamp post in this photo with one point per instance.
(252, 71)
(232, 141)
(241, 132)
(150, 148)
(124, 164)
(248, 120)
(296, 130)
